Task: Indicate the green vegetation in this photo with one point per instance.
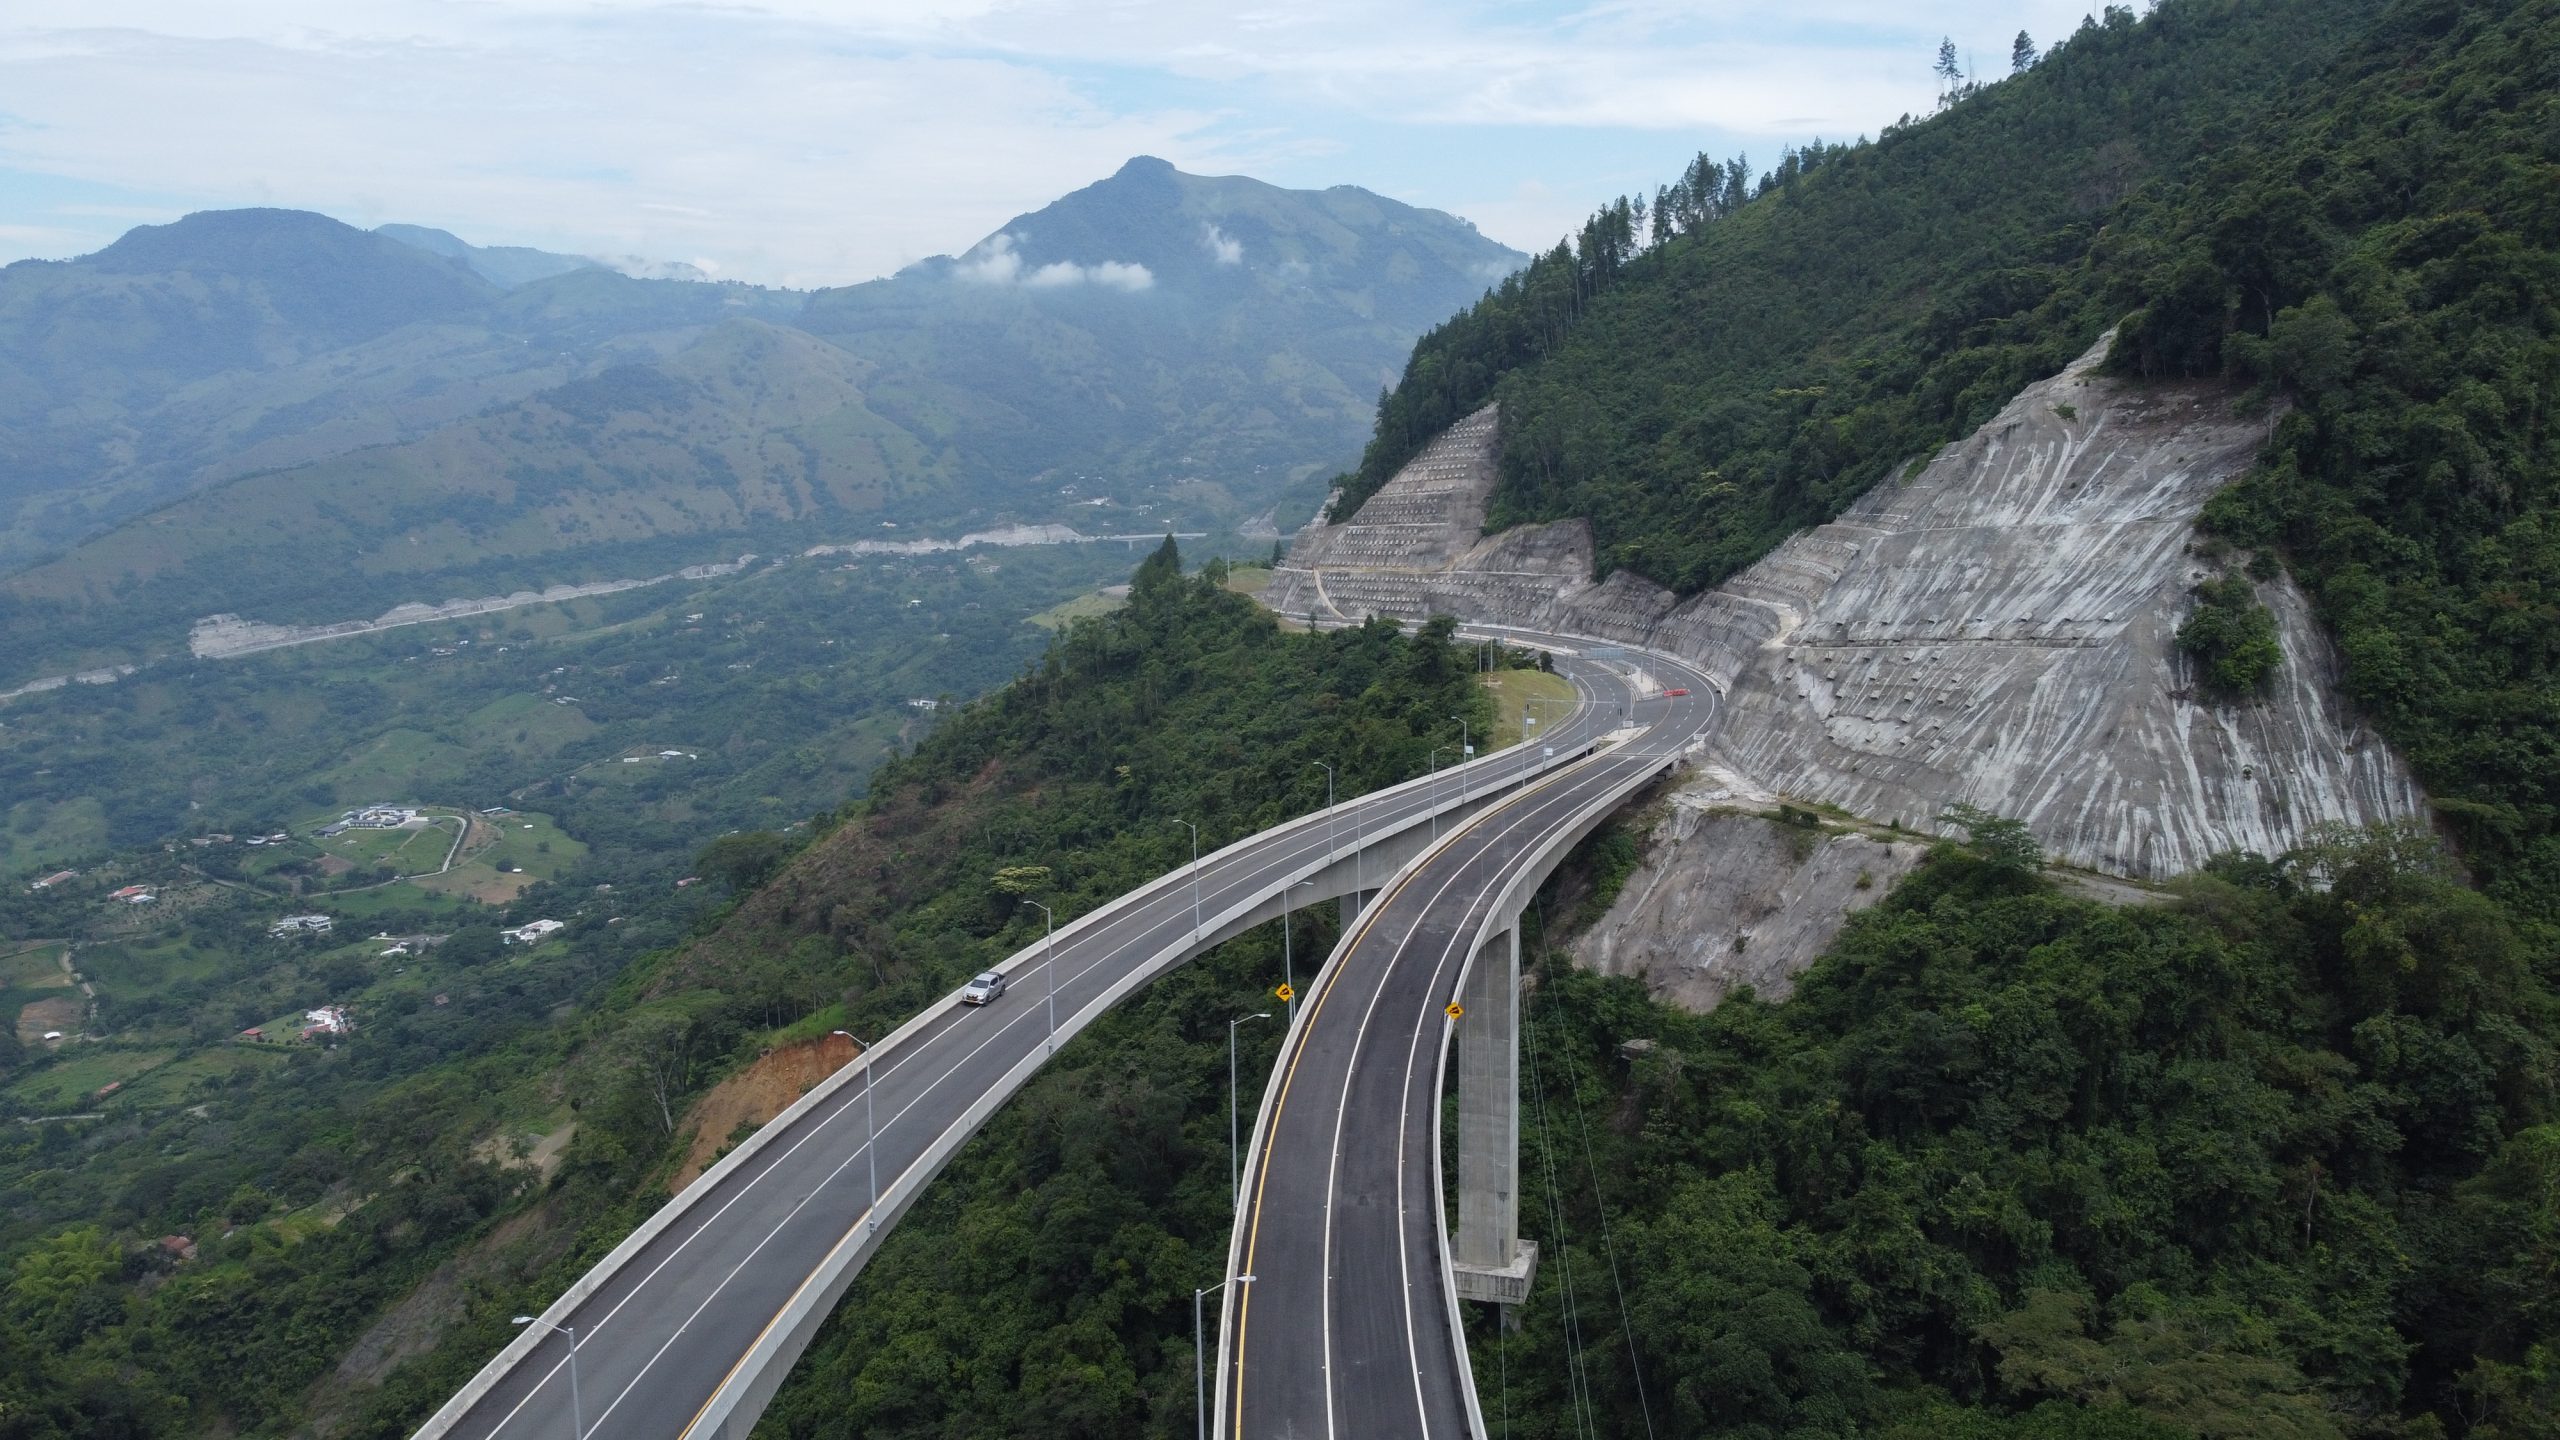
(2231, 638)
(792, 683)
(1521, 695)
(321, 1184)
(1083, 607)
(2270, 1161)
(2276, 1158)
(613, 429)
(1701, 374)
(2342, 205)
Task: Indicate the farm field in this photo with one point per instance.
(74, 1079)
(518, 850)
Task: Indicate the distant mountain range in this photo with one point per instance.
(270, 412)
(239, 341)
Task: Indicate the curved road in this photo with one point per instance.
(1348, 1328)
(666, 1336)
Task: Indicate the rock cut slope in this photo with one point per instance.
(1998, 629)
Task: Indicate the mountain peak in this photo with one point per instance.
(1148, 219)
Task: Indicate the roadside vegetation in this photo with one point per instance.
(2278, 1158)
(321, 1183)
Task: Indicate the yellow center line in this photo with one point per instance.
(750, 1351)
(1360, 935)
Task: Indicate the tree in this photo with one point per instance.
(662, 1053)
(1158, 570)
(1949, 73)
(2232, 638)
(471, 945)
(2007, 844)
(2022, 54)
(744, 860)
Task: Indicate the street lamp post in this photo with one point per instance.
(1288, 962)
(1329, 845)
(1466, 750)
(1235, 1176)
(1199, 1356)
(577, 1411)
(1051, 963)
(870, 1136)
(1435, 788)
(1195, 875)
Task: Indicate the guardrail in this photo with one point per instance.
(1351, 937)
(761, 1371)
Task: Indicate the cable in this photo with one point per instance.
(1577, 1384)
(1610, 1246)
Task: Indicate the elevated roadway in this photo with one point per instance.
(1349, 1325)
(690, 1325)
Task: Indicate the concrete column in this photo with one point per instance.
(1489, 1107)
(1352, 904)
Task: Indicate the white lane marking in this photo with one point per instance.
(1288, 854)
(1252, 862)
(1451, 947)
(1342, 1111)
(1483, 845)
(1232, 1312)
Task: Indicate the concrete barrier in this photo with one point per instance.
(799, 1321)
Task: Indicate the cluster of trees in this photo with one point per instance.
(793, 683)
(1778, 346)
(1189, 703)
(2231, 638)
(2272, 1160)
(320, 1187)
(2343, 207)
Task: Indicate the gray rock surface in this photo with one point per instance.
(1726, 897)
(1998, 629)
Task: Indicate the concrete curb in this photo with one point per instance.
(532, 1336)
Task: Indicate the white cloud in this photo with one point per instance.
(999, 262)
(1222, 248)
(994, 263)
(822, 141)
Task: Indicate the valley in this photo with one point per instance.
(2021, 902)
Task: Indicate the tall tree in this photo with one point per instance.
(2022, 54)
(1950, 74)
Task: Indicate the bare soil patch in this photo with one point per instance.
(754, 1096)
(62, 1013)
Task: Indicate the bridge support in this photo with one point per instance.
(1490, 1260)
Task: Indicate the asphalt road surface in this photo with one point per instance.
(1345, 1333)
(668, 1328)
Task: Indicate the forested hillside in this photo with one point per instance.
(2342, 208)
(319, 1188)
(2271, 1161)
(333, 421)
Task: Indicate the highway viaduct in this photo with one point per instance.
(691, 1324)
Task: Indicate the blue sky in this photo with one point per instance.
(811, 142)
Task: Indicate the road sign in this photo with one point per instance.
(1456, 1009)
(1286, 993)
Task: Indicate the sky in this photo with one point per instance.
(822, 142)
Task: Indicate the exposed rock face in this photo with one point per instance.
(1999, 629)
(1726, 897)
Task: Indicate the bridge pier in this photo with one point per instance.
(1489, 1259)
